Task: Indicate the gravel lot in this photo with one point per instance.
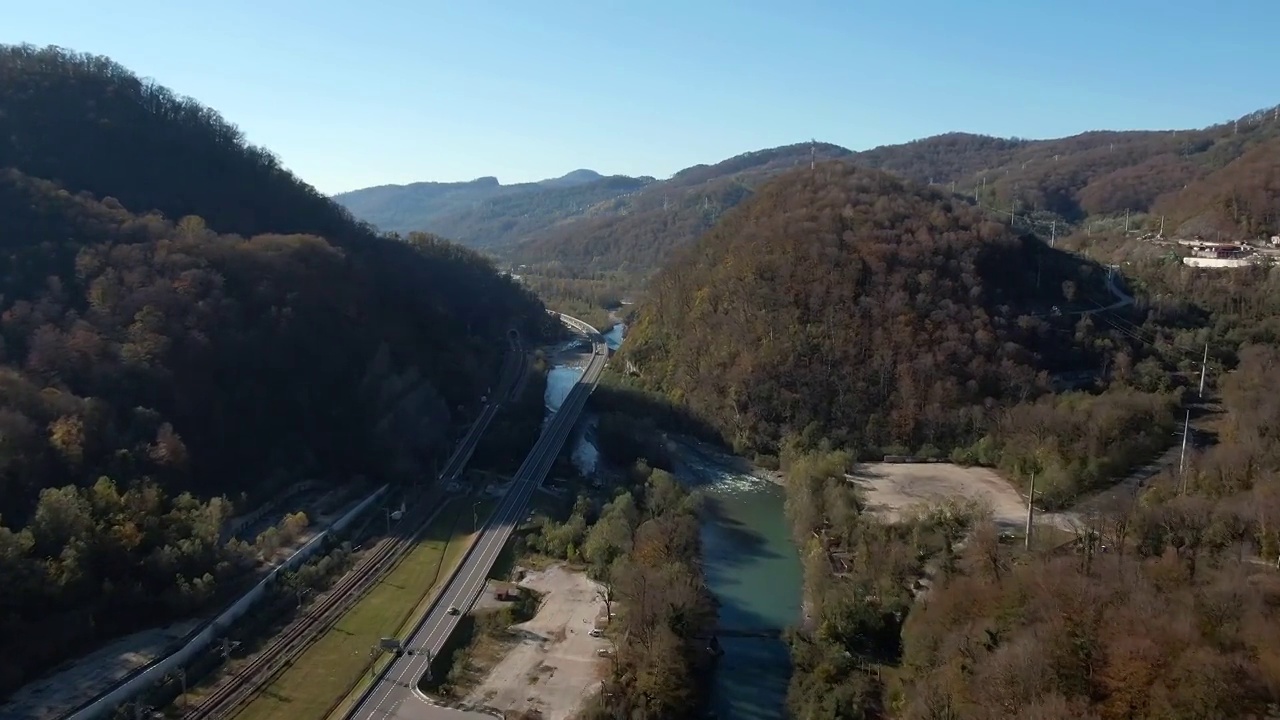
(554, 667)
(896, 489)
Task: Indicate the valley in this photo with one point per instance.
(966, 427)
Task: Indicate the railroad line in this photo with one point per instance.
(285, 647)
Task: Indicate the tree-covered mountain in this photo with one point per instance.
(842, 303)
(1225, 177)
(581, 219)
(181, 319)
(637, 233)
(1106, 173)
(1219, 178)
(580, 176)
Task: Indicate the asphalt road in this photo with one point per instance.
(392, 695)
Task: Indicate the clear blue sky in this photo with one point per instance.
(351, 94)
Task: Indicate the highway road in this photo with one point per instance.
(392, 694)
(236, 689)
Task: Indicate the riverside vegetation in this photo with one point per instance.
(643, 546)
(640, 539)
(172, 340)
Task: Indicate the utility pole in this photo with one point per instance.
(1204, 366)
(1126, 221)
(1182, 459)
(813, 153)
(1053, 232)
(1031, 498)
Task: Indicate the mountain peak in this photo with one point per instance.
(580, 176)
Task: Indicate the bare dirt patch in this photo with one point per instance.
(897, 490)
(553, 667)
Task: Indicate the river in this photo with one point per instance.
(750, 562)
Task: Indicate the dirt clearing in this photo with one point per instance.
(895, 490)
(554, 667)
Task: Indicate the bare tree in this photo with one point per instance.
(1186, 520)
(1117, 521)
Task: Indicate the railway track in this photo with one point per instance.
(283, 649)
(466, 580)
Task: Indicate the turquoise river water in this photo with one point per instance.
(750, 563)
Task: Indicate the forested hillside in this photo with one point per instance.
(182, 320)
(1221, 178)
(1228, 172)
(1167, 607)
(843, 303)
(635, 234)
(581, 221)
(1226, 177)
(842, 312)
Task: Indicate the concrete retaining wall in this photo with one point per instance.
(203, 637)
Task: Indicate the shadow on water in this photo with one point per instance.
(752, 569)
(754, 675)
(745, 544)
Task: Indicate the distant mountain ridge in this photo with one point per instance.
(484, 213)
(576, 177)
(638, 232)
(1223, 178)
